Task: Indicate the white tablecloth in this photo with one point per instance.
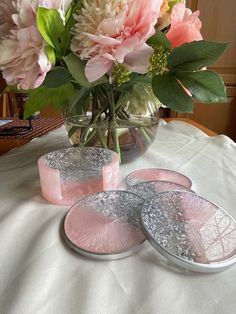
(38, 274)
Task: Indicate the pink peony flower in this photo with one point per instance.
(116, 39)
(7, 8)
(26, 13)
(185, 26)
(23, 61)
(22, 58)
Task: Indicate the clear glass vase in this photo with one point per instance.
(123, 122)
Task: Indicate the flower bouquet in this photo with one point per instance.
(108, 64)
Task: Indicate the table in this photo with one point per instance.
(39, 274)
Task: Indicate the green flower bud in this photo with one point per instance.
(121, 74)
(158, 61)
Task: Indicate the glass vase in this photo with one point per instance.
(125, 122)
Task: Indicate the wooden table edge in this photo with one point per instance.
(6, 144)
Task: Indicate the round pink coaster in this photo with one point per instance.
(105, 225)
(154, 174)
(189, 230)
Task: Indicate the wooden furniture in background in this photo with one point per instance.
(48, 111)
(9, 106)
(39, 127)
(218, 24)
(2, 87)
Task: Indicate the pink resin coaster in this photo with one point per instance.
(105, 225)
(70, 174)
(154, 174)
(150, 188)
(190, 231)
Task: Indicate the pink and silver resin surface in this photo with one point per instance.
(190, 231)
(105, 225)
(154, 174)
(151, 188)
(70, 174)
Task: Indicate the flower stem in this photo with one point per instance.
(145, 135)
(112, 127)
(101, 138)
(90, 137)
(116, 142)
(84, 136)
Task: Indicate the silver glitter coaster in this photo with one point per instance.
(190, 231)
(151, 188)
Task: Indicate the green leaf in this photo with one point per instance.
(206, 86)
(195, 55)
(57, 77)
(76, 67)
(102, 80)
(51, 27)
(70, 20)
(170, 93)
(159, 39)
(43, 96)
(50, 52)
(76, 103)
(69, 13)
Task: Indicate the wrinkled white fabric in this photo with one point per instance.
(40, 275)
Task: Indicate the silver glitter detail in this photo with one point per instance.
(163, 218)
(120, 205)
(79, 163)
(189, 227)
(151, 188)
